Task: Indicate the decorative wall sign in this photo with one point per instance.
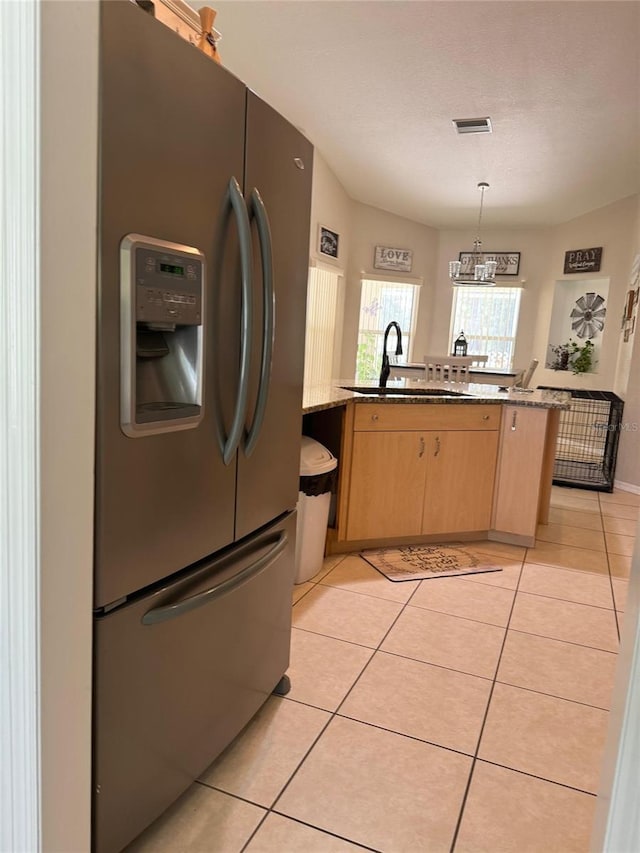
(386, 258)
(629, 326)
(629, 316)
(587, 318)
(328, 242)
(583, 260)
(508, 262)
(578, 321)
(631, 302)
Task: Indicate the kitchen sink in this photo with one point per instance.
(404, 392)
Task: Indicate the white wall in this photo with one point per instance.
(68, 273)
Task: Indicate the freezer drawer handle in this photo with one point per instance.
(258, 210)
(236, 200)
(172, 611)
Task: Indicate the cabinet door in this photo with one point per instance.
(387, 485)
(519, 470)
(461, 469)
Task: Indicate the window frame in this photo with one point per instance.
(408, 335)
(456, 325)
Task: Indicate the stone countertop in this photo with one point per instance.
(332, 394)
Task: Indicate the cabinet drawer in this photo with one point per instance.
(425, 416)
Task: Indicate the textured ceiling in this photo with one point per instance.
(374, 85)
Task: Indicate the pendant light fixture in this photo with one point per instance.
(480, 272)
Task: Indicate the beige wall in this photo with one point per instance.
(69, 40)
(615, 227)
(533, 245)
(628, 470)
(612, 228)
(331, 207)
(372, 227)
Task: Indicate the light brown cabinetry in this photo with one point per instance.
(418, 470)
(387, 485)
(461, 471)
(524, 470)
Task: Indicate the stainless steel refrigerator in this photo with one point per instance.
(204, 232)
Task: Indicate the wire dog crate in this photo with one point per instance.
(588, 436)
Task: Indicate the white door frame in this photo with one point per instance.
(20, 807)
(48, 228)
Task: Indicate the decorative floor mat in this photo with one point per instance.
(419, 562)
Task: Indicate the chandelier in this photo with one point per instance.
(475, 270)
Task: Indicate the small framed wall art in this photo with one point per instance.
(328, 242)
(398, 260)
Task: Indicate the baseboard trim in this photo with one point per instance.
(626, 487)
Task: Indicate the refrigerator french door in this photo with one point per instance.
(204, 229)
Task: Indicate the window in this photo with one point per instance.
(488, 316)
(322, 339)
(380, 303)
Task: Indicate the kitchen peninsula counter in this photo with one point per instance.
(415, 468)
(331, 394)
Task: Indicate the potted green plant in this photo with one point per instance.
(572, 356)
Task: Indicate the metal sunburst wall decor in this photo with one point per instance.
(587, 318)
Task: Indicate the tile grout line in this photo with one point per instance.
(332, 716)
(494, 680)
(613, 594)
(327, 832)
(464, 673)
(539, 778)
(475, 759)
(269, 809)
(476, 621)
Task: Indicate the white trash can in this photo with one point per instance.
(317, 480)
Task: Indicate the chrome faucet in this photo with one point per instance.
(386, 367)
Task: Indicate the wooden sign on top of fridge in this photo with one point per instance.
(583, 260)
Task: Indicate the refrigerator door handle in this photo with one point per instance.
(258, 211)
(192, 602)
(239, 208)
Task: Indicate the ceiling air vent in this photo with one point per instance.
(473, 125)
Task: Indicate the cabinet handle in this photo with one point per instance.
(485, 417)
(374, 417)
(421, 452)
(513, 422)
(437, 445)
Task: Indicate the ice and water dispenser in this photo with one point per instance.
(161, 317)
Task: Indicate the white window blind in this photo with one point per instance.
(321, 329)
(488, 316)
(380, 303)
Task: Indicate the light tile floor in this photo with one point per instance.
(455, 714)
